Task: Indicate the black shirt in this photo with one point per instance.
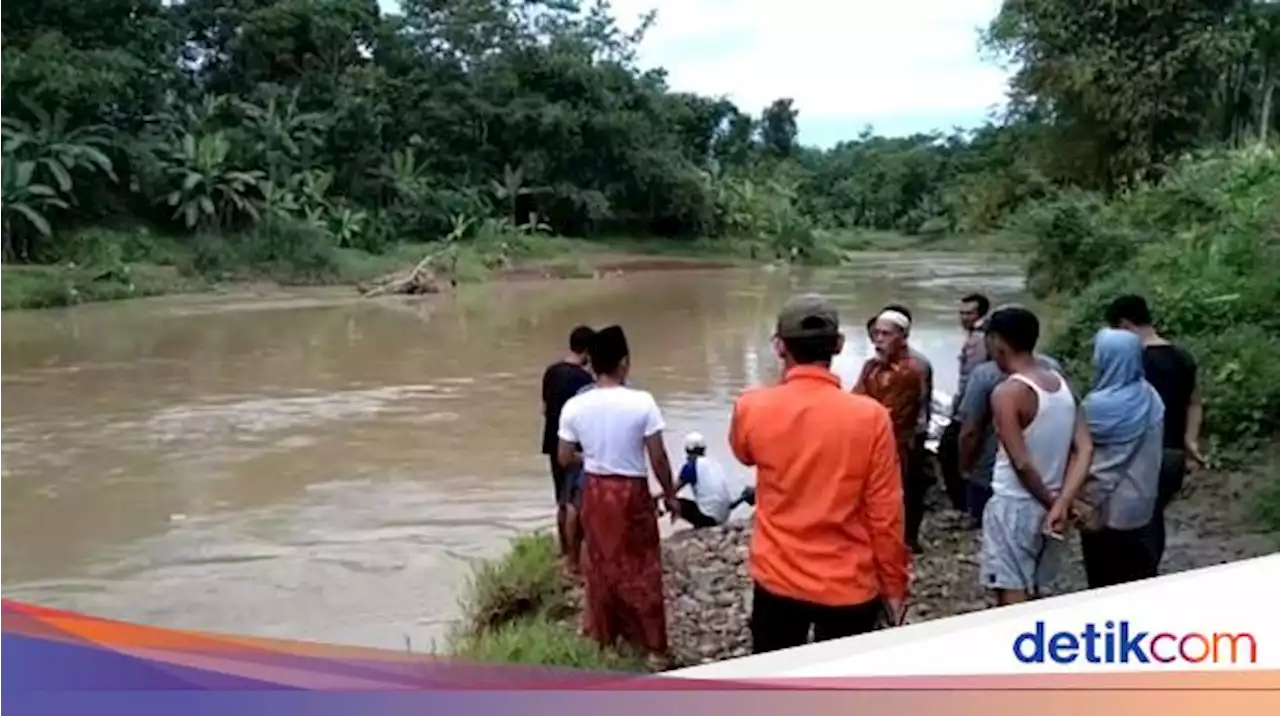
(1172, 371)
(560, 382)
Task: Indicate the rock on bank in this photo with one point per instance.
(708, 588)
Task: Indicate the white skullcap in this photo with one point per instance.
(896, 318)
(694, 441)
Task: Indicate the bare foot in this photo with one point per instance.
(658, 662)
(570, 570)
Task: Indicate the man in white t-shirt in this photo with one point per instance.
(619, 430)
(713, 498)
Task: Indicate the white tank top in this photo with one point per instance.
(1048, 439)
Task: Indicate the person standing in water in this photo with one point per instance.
(561, 381)
(713, 499)
(1126, 426)
(897, 380)
(617, 427)
(1043, 445)
(1173, 373)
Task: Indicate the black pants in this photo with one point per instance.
(782, 623)
(915, 487)
(1173, 471)
(949, 460)
(690, 513)
(559, 479)
(1116, 557)
(978, 496)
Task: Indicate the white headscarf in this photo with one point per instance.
(897, 319)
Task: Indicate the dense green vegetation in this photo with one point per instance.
(274, 134)
(1167, 184)
(265, 137)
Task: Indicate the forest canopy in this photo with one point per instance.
(270, 117)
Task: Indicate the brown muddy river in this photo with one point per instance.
(305, 465)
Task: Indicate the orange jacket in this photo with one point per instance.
(829, 524)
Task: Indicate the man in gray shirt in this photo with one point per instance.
(978, 443)
(973, 315)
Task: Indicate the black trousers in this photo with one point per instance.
(1173, 471)
(1116, 557)
(915, 487)
(559, 479)
(779, 622)
(690, 513)
(949, 461)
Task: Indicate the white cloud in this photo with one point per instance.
(850, 62)
(855, 59)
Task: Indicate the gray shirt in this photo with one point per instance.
(926, 409)
(975, 404)
(972, 354)
(1124, 479)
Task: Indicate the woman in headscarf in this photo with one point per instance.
(1126, 421)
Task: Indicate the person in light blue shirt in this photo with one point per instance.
(1126, 422)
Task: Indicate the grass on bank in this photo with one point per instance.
(518, 608)
(110, 264)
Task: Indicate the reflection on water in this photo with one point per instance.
(316, 467)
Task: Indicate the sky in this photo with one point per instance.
(902, 66)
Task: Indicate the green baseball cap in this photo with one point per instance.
(808, 316)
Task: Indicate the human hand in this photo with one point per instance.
(673, 507)
(1195, 458)
(1055, 522)
(1082, 512)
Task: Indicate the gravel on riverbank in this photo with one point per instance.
(708, 587)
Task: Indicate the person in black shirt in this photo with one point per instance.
(1173, 373)
(561, 381)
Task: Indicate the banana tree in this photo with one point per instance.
(55, 149)
(209, 194)
(282, 133)
(24, 204)
(509, 190)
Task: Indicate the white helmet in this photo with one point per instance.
(694, 441)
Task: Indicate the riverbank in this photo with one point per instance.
(114, 266)
(519, 608)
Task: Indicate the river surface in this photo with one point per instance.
(311, 466)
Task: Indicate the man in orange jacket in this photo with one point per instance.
(827, 552)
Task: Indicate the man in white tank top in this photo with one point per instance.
(1043, 444)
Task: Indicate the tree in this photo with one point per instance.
(1126, 86)
(778, 128)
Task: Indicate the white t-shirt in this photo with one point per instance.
(711, 491)
(611, 424)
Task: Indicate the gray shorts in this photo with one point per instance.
(1015, 553)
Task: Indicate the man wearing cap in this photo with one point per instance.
(898, 380)
(827, 551)
(713, 499)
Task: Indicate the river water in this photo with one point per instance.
(312, 466)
